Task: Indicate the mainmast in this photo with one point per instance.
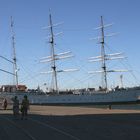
(104, 74)
(55, 57)
(51, 41)
(15, 71)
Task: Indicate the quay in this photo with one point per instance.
(71, 123)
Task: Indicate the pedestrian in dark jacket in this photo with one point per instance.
(24, 107)
(15, 106)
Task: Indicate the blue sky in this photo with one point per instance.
(80, 17)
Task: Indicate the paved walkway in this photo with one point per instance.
(95, 126)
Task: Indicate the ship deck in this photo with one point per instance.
(71, 123)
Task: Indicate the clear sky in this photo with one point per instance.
(79, 18)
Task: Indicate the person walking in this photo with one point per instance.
(15, 106)
(24, 107)
(4, 104)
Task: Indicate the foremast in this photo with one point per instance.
(105, 57)
(104, 74)
(53, 65)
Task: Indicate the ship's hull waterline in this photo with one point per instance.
(123, 96)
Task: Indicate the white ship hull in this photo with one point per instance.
(123, 96)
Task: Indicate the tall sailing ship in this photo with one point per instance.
(101, 96)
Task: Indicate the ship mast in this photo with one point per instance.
(53, 66)
(55, 57)
(105, 57)
(15, 71)
(104, 73)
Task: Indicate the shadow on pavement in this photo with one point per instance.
(83, 127)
